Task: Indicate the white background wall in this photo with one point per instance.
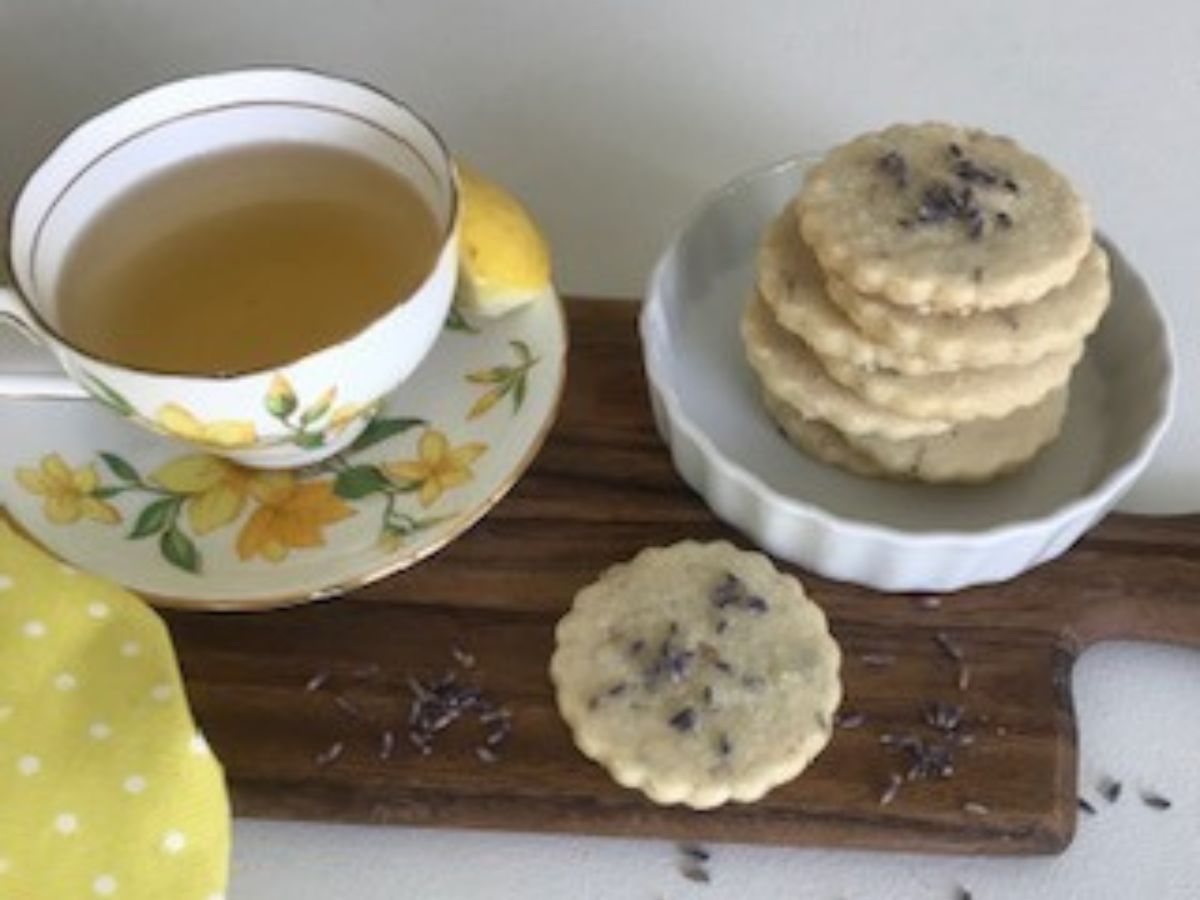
(611, 119)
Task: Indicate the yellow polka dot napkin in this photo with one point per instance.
(107, 789)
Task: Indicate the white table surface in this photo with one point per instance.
(611, 119)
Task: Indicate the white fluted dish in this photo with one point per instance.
(892, 536)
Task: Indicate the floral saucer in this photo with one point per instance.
(190, 530)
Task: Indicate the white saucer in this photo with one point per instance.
(438, 456)
(888, 535)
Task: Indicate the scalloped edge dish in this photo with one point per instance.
(892, 537)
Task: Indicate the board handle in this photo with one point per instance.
(1150, 587)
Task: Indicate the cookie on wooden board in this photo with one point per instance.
(698, 674)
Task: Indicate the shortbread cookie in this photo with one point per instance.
(1013, 336)
(969, 453)
(698, 674)
(945, 218)
(791, 371)
(962, 395)
(822, 441)
(792, 284)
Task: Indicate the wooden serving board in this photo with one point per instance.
(602, 488)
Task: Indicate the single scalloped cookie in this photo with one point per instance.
(963, 395)
(969, 453)
(790, 370)
(792, 284)
(943, 218)
(1013, 336)
(697, 674)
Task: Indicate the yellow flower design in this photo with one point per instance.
(216, 488)
(347, 413)
(292, 515)
(67, 493)
(281, 398)
(229, 433)
(438, 468)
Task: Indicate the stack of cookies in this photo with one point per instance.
(921, 304)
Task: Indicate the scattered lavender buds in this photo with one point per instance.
(895, 167)
(948, 646)
(693, 863)
(877, 660)
(462, 657)
(849, 720)
(1155, 800)
(952, 195)
(1110, 789)
(943, 716)
(684, 720)
(891, 789)
(731, 591)
(974, 808)
(695, 852)
(434, 705)
(330, 754)
(317, 682)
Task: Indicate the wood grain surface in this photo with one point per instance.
(602, 488)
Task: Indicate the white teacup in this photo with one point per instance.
(287, 415)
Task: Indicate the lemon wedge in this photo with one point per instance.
(504, 259)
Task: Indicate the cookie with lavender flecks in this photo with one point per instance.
(698, 674)
(943, 218)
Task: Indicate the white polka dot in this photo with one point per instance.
(173, 842)
(65, 681)
(6, 582)
(216, 897)
(104, 886)
(134, 784)
(34, 628)
(5, 865)
(98, 609)
(131, 649)
(161, 692)
(66, 823)
(29, 765)
(198, 745)
(6, 712)
(100, 731)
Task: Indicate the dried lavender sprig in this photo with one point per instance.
(1110, 789)
(891, 790)
(330, 754)
(695, 851)
(849, 719)
(948, 646)
(1155, 800)
(877, 660)
(317, 681)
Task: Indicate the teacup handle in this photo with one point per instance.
(45, 385)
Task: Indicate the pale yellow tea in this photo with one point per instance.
(245, 260)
